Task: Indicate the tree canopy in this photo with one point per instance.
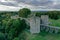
(24, 12)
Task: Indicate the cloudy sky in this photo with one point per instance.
(15, 5)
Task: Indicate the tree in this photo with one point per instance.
(24, 12)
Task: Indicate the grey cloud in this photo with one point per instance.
(46, 4)
(36, 2)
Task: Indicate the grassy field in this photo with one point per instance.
(42, 36)
(55, 22)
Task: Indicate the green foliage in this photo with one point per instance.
(2, 36)
(23, 35)
(11, 28)
(52, 14)
(55, 22)
(24, 12)
(14, 27)
(40, 13)
(16, 38)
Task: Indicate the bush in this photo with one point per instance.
(23, 36)
(16, 39)
(2, 36)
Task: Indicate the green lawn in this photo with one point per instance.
(42, 36)
(55, 22)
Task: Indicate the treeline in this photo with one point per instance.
(9, 12)
(51, 14)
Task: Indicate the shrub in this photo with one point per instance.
(16, 38)
(2, 36)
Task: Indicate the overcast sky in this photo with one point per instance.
(13, 5)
